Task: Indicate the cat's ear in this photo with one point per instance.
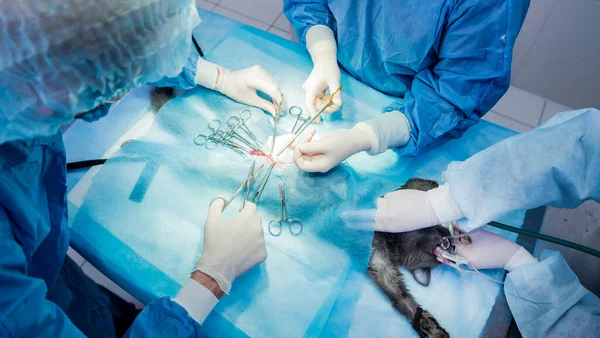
(422, 276)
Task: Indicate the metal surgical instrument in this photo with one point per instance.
(262, 185)
(297, 112)
(247, 183)
(276, 226)
(275, 119)
(312, 119)
(230, 137)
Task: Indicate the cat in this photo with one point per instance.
(412, 250)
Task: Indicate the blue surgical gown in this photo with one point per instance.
(547, 300)
(556, 164)
(449, 60)
(34, 238)
(60, 58)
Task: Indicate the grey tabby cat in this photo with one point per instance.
(412, 250)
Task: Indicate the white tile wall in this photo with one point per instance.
(560, 78)
(241, 18)
(265, 11)
(279, 32)
(557, 53)
(522, 106)
(204, 4)
(506, 122)
(552, 108)
(283, 23)
(520, 52)
(572, 29)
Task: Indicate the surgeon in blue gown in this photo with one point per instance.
(556, 164)
(449, 61)
(60, 59)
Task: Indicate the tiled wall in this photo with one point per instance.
(557, 54)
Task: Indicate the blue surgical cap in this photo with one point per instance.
(63, 57)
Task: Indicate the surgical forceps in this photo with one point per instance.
(262, 185)
(247, 184)
(219, 138)
(245, 115)
(276, 226)
(275, 119)
(311, 120)
(207, 141)
(229, 137)
(297, 112)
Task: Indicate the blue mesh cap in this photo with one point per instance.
(59, 58)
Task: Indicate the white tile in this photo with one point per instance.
(283, 23)
(101, 279)
(209, 6)
(75, 256)
(279, 32)
(521, 106)
(520, 51)
(506, 122)
(243, 19)
(572, 30)
(265, 11)
(560, 78)
(531, 29)
(540, 9)
(552, 108)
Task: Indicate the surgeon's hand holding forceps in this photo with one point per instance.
(276, 226)
(308, 122)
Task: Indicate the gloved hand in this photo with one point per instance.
(490, 251)
(406, 210)
(241, 85)
(322, 155)
(322, 48)
(232, 246)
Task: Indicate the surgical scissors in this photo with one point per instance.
(276, 226)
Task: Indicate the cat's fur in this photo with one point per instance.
(412, 250)
(159, 96)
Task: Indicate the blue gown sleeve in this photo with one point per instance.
(164, 318)
(547, 300)
(24, 309)
(556, 164)
(304, 14)
(472, 74)
(185, 79)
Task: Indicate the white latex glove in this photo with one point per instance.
(322, 48)
(406, 210)
(241, 85)
(322, 155)
(232, 246)
(490, 251)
